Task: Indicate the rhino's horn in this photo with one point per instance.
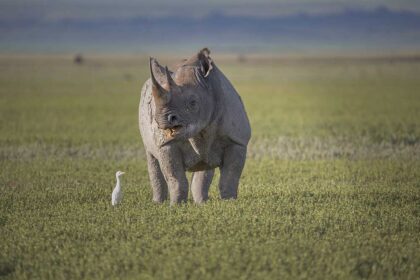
(157, 76)
(171, 83)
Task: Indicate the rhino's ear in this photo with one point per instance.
(158, 76)
(205, 62)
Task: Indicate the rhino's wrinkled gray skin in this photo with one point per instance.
(192, 119)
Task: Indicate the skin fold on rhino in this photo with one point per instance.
(192, 119)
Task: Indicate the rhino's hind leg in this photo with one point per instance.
(200, 185)
(159, 186)
(230, 171)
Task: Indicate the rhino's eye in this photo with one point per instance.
(193, 103)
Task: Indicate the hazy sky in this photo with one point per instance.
(85, 9)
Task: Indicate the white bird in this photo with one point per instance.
(117, 192)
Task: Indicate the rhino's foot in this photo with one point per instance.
(178, 201)
(158, 200)
(159, 196)
(228, 196)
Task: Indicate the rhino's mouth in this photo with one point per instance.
(173, 131)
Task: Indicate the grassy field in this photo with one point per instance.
(331, 188)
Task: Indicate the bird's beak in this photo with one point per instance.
(122, 173)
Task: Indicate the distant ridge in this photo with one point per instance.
(351, 30)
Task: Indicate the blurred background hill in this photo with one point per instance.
(287, 27)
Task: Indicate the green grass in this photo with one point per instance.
(331, 188)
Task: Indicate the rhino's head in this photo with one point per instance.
(183, 99)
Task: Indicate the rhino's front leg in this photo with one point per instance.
(172, 166)
(200, 185)
(159, 187)
(230, 171)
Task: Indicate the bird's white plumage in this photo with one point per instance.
(117, 192)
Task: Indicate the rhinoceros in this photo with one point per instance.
(192, 119)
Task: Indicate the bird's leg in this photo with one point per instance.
(174, 172)
(159, 186)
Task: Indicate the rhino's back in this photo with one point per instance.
(234, 121)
